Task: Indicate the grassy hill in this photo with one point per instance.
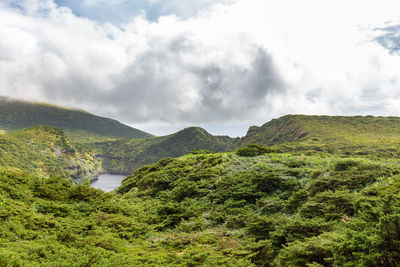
(345, 135)
(79, 125)
(44, 151)
(125, 156)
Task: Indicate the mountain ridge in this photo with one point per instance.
(124, 156)
(272, 132)
(80, 125)
(294, 133)
(349, 135)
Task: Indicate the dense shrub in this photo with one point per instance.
(208, 210)
(345, 164)
(197, 151)
(314, 251)
(253, 150)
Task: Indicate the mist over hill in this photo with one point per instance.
(79, 125)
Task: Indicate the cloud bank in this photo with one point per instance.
(231, 65)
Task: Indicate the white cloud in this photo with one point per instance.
(120, 12)
(240, 63)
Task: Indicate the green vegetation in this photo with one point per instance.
(79, 125)
(125, 156)
(316, 191)
(377, 137)
(43, 150)
(253, 150)
(339, 135)
(208, 210)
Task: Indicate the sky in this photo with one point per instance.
(224, 65)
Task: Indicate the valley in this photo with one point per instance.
(297, 191)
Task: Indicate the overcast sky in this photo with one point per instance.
(161, 65)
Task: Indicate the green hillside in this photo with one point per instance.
(209, 210)
(125, 156)
(345, 135)
(79, 125)
(43, 150)
(366, 136)
(324, 191)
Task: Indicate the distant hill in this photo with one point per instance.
(359, 135)
(299, 134)
(285, 129)
(79, 125)
(124, 156)
(43, 151)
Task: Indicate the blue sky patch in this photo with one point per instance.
(390, 38)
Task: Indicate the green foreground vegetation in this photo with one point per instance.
(208, 210)
(324, 191)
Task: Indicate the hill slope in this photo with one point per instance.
(357, 135)
(79, 125)
(209, 210)
(43, 151)
(125, 156)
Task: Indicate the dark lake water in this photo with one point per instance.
(108, 182)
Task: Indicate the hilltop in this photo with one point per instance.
(125, 156)
(79, 125)
(347, 135)
(366, 136)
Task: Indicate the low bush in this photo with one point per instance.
(253, 150)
